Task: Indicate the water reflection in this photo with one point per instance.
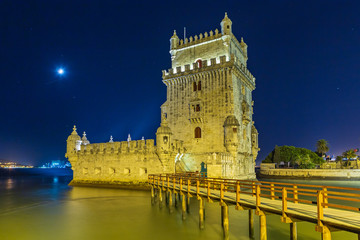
(46, 208)
(10, 183)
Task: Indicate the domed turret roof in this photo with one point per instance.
(231, 121)
(164, 128)
(84, 139)
(74, 136)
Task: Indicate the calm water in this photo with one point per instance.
(38, 204)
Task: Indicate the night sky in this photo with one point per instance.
(305, 56)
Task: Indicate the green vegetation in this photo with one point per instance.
(322, 147)
(301, 157)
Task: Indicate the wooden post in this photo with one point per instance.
(188, 186)
(208, 189)
(183, 206)
(180, 184)
(225, 219)
(263, 235)
(170, 202)
(251, 224)
(284, 202)
(221, 192)
(320, 227)
(237, 192)
(160, 198)
(253, 188)
(320, 209)
(175, 199)
(293, 231)
(258, 200)
(201, 213)
(272, 191)
(166, 197)
(326, 235)
(325, 197)
(188, 203)
(152, 195)
(295, 194)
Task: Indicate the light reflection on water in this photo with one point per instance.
(41, 207)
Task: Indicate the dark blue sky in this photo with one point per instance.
(305, 56)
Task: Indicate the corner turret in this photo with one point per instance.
(254, 141)
(231, 126)
(244, 47)
(174, 41)
(73, 143)
(226, 25)
(84, 139)
(163, 136)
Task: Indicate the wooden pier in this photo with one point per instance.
(330, 208)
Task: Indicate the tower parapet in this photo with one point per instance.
(208, 65)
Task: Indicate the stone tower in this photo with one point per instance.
(209, 103)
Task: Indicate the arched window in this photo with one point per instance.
(195, 87)
(199, 86)
(198, 132)
(197, 108)
(199, 63)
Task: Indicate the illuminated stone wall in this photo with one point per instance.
(127, 161)
(217, 62)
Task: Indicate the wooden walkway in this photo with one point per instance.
(329, 208)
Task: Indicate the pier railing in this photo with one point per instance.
(323, 197)
(304, 193)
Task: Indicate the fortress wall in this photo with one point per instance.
(117, 161)
(312, 173)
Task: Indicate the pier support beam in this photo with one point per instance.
(170, 200)
(263, 234)
(166, 197)
(152, 195)
(293, 231)
(188, 203)
(201, 213)
(325, 234)
(175, 199)
(160, 198)
(183, 204)
(225, 220)
(251, 224)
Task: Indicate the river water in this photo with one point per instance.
(38, 204)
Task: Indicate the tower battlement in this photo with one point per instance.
(213, 63)
(187, 42)
(119, 147)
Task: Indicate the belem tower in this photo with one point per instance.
(206, 120)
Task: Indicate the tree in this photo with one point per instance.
(349, 154)
(339, 160)
(304, 158)
(322, 146)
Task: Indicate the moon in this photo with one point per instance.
(60, 71)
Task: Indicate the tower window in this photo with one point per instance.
(199, 63)
(197, 108)
(194, 86)
(198, 132)
(235, 130)
(228, 26)
(199, 86)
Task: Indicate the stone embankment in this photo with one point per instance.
(327, 174)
